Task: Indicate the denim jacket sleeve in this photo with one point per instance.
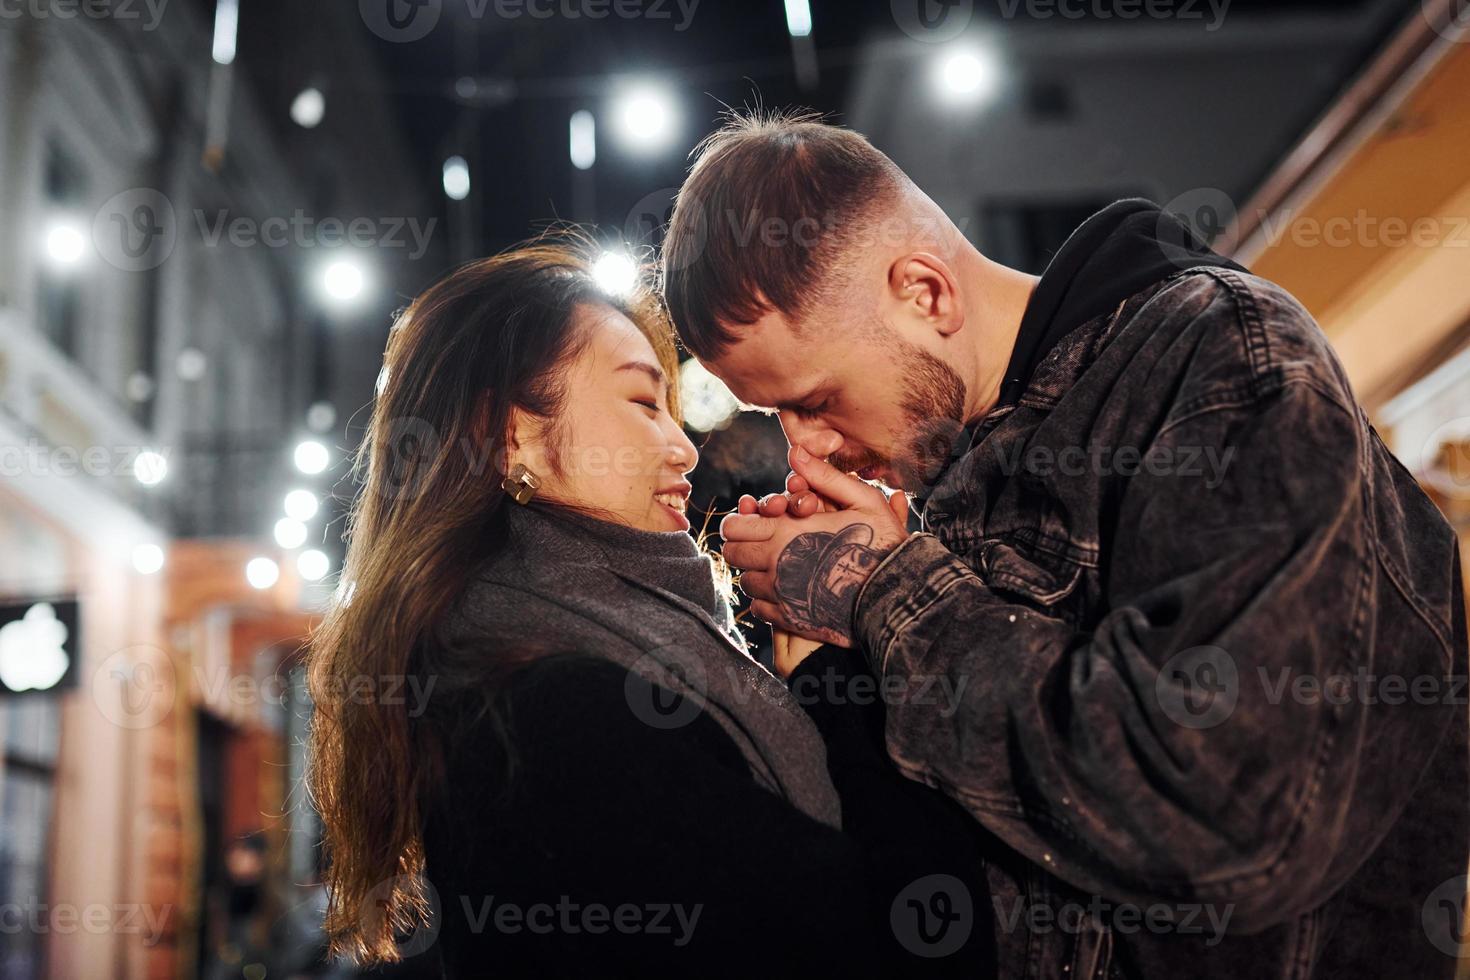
(1165, 754)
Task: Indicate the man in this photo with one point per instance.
(1203, 638)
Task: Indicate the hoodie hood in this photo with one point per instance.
(1123, 249)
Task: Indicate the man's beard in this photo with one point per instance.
(934, 409)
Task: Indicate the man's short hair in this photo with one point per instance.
(770, 204)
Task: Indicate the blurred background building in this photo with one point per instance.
(209, 210)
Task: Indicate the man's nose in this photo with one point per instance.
(812, 435)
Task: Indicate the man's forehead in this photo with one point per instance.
(764, 374)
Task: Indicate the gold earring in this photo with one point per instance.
(521, 484)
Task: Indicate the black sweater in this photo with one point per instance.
(616, 848)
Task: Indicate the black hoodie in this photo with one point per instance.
(1123, 249)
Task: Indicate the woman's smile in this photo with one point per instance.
(675, 500)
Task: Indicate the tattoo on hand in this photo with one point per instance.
(818, 576)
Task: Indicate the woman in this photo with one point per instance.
(602, 781)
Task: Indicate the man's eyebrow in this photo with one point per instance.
(652, 370)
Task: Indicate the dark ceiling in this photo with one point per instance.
(530, 74)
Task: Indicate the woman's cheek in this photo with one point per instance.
(634, 500)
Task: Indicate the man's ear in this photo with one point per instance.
(925, 286)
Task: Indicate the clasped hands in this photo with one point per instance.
(804, 555)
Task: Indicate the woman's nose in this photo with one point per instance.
(682, 452)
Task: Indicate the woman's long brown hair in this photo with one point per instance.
(493, 334)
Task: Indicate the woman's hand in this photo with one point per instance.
(790, 651)
(799, 501)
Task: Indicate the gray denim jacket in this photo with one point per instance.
(1208, 638)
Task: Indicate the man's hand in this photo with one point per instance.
(804, 573)
(789, 650)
